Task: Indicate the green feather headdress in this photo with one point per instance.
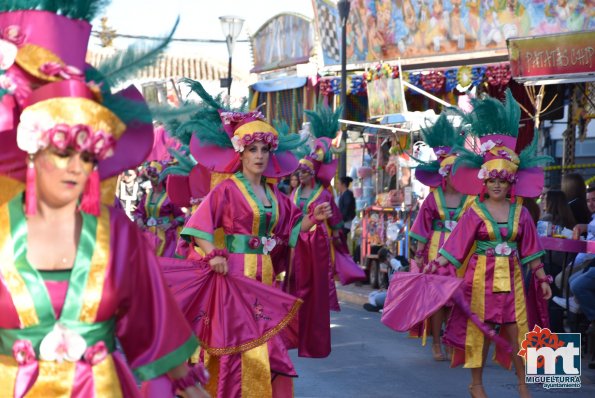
(206, 122)
(490, 116)
(323, 121)
(441, 134)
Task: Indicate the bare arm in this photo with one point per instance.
(217, 263)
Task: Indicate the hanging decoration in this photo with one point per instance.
(450, 80)
(498, 75)
(464, 76)
(432, 81)
(477, 74)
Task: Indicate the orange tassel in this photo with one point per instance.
(90, 203)
(31, 189)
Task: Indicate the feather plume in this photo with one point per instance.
(491, 116)
(441, 133)
(199, 90)
(125, 64)
(323, 121)
(79, 9)
(529, 158)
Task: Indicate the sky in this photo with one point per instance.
(199, 19)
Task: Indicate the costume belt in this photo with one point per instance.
(91, 333)
(501, 251)
(250, 244)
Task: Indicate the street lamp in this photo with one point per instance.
(231, 27)
(343, 6)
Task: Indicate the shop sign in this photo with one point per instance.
(553, 55)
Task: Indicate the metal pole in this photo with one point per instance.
(229, 79)
(343, 6)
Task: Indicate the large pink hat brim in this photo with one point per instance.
(218, 159)
(134, 145)
(428, 178)
(65, 37)
(529, 182)
(178, 190)
(200, 181)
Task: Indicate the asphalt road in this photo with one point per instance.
(370, 360)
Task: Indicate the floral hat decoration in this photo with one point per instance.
(495, 124)
(441, 137)
(220, 135)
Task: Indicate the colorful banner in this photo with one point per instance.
(555, 55)
(385, 97)
(391, 29)
(284, 40)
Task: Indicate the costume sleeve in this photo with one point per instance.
(421, 230)
(529, 246)
(153, 332)
(459, 243)
(290, 220)
(208, 216)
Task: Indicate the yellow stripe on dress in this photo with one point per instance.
(474, 340)
(55, 379)
(22, 300)
(9, 369)
(97, 271)
(520, 307)
(256, 373)
(105, 379)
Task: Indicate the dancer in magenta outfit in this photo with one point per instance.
(237, 226)
(438, 214)
(496, 236)
(158, 215)
(74, 275)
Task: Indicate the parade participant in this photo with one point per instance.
(439, 213)
(237, 227)
(75, 275)
(157, 215)
(322, 251)
(493, 239)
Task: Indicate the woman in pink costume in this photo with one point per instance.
(438, 214)
(494, 239)
(237, 226)
(75, 275)
(158, 215)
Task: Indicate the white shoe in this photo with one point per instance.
(561, 301)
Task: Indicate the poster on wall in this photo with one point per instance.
(284, 40)
(390, 29)
(385, 97)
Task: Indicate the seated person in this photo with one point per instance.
(388, 265)
(583, 264)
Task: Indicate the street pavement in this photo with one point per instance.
(370, 360)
